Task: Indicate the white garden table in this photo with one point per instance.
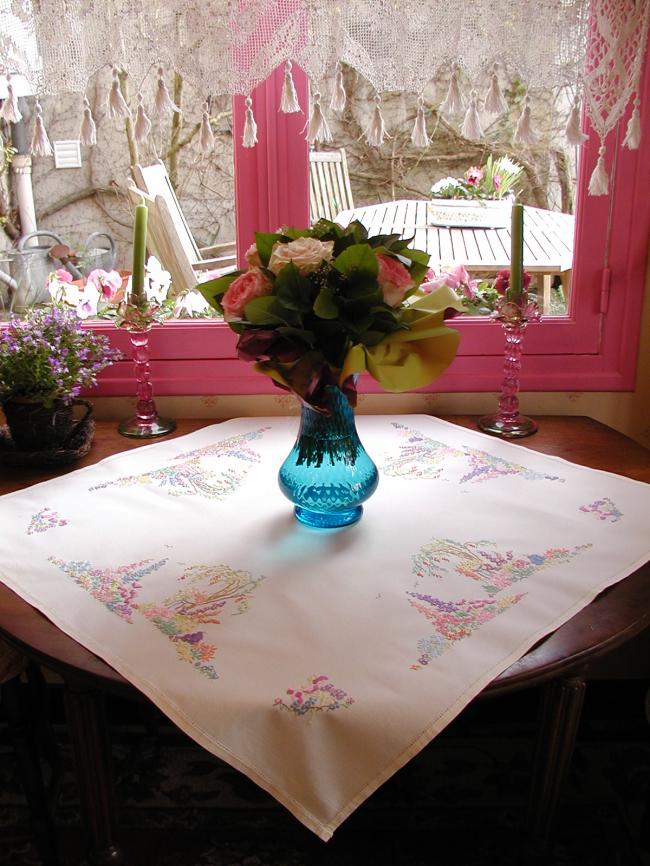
(548, 238)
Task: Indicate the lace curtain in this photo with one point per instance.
(230, 46)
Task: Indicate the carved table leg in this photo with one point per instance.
(91, 750)
(561, 709)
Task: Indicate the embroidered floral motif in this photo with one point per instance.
(479, 560)
(419, 457)
(211, 588)
(453, 620)
(486, 466)
(185, 479)
(191, 478)
(422, 457)
(235, 446)
(45, 519)
(603, 509)
(116, 588)
(320, 695)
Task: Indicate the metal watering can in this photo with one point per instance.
(25, 269)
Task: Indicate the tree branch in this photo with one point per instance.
(177, 123)
(74, 197)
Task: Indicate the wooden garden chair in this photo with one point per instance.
(166, 243)
(154, 181)
(329, 184)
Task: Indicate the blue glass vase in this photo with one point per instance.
(328, 473)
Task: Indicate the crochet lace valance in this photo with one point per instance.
(592, 47)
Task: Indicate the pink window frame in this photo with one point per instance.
(594, 348)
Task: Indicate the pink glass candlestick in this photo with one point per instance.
(146, 423)
(507, 422)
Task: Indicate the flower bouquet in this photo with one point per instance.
(318, 306)
(315, 308)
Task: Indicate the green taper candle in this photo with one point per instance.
(139, 253)
(516, 252)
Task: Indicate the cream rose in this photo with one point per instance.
(307, 254)
(253, 257)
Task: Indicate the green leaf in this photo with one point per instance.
(213, 290)
(300, 335)
(357, 260)
(292, 290)
(324, 305)
(264, 241)
(263, 311)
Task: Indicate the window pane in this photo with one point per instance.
(87, 208)
(454, 195)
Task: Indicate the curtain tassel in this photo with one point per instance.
(574, 135)
(339, 96)
(419, 137)
(142, 123)
(164, 105)
(377, 130)
(471, 128)
(249, 138)
(88, 128)
(632, 138)
(524, 132)
(40, 142)
(494, 101)
(206, 136)
(117, 108)
(599, 182)
(454, 102)
(10, 111)
(318, 128)
(289, 101)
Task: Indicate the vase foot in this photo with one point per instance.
(136, 429)
(325, 520)
(514, 428)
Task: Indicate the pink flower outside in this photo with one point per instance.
(108, 283)
(249, 285)
(456, 277)
(394, 279)
(63, 275)
(474, 175)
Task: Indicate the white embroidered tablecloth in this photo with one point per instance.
(319, 661)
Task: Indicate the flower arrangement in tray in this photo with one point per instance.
(488, 298)
(495, 180)
(317, 306)
(102, 294)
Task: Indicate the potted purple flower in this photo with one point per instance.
(45, 361)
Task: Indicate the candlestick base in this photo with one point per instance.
(135, 428)
(513, 428)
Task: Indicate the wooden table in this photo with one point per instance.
(548, 239)
(560, 662)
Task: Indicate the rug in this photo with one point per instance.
(461, 801)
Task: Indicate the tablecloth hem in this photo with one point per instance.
(323, 829)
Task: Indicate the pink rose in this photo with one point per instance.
(249, 285)
(393, 278)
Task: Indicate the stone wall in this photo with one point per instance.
(76, 202)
